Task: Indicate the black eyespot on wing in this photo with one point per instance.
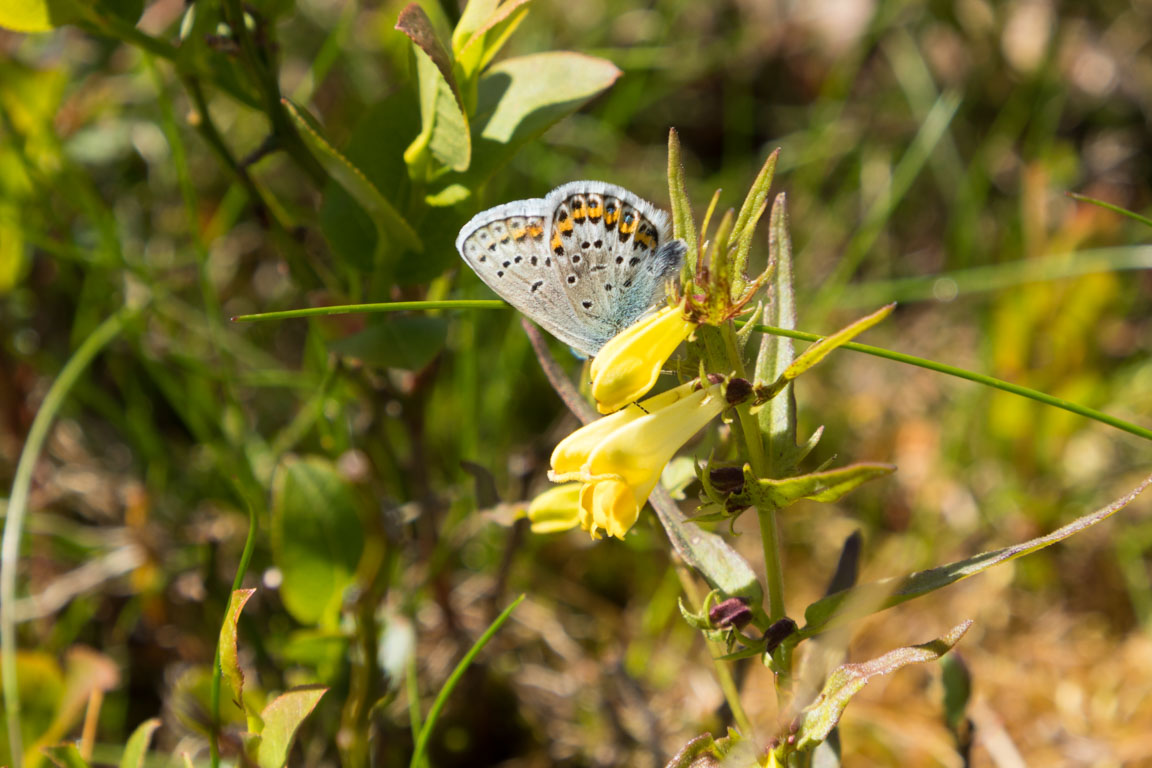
(585, 244)
(633, 261)
(598, 243)
(536, 285)
(506, 264)
(619, 259)
(558, 250)
(571, 279)
(499, 273)
(607, 286)
(533, 261)
(563, 215)
(575, 258)
(586, 304)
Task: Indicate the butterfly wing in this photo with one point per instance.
(584, 263)
(506, 247)
(615, 253)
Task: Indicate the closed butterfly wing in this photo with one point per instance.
(584, 263)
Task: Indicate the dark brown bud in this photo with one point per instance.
(727, 479)
(777, 633)
(737, 391)
(714, 378)
(733, 613)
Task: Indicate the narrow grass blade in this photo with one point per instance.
(388, 306)
(453, 679)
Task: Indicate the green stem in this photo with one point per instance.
(214, 695)
(979, 378)
(18, 508)
(769, 533)
(723, 675)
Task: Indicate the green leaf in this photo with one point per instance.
(407, 343)
(476, 13)
(376, 147)
(65, 756)
(282, 717)
(519, 98)
(825, 486)
(957, 684)
(316, 538)
(821, 349)
(720, 565)
(388, 221)
(778, 417)
(879, 595)
(137, 746)
(848, 679)
(445, 125)
(490, 37)
(37, 15)
(750, 212)
(229, 655)
(683, 226)
(126, 10)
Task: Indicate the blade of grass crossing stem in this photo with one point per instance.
(387, 306)
(18, 508)
(979, 378)
(453, 679)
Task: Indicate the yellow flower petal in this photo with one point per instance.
(610, 505)
(570, 456)
(630, 363)
(555, 510)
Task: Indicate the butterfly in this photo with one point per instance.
(584, 262)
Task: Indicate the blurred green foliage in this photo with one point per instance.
(202, 161)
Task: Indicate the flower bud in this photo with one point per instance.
(778, 633)
(733, 613)
(727, 479)
(737, 391)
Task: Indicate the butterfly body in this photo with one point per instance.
(584, 262)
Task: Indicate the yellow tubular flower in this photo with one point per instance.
(619, 458)
(629, 364)
(556, 510)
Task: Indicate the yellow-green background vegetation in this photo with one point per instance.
(927, 149)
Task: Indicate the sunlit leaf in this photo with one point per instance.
(445, 125)
(316, 538)
(683, 226)
(889, 592)
(847, 680)
(821, 349)
(282, 717)
(826, 486)
(490, 37)
(229, 654)
(137, 747)
(519, 98)
(778, 417)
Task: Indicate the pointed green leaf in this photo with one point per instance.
(387, 219)
(519, 98)
(316, 538)
(957, 684)
(720, 565)
(778, 417)
(445, 130)
(825, 486)
(229, 655)
(137, 746)
(821, 349)
(750, 212)
(282, 717)
(889, 592)
(848, 679)
(490, 37)
(65, 756)
(475, 14)
(683, 226)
